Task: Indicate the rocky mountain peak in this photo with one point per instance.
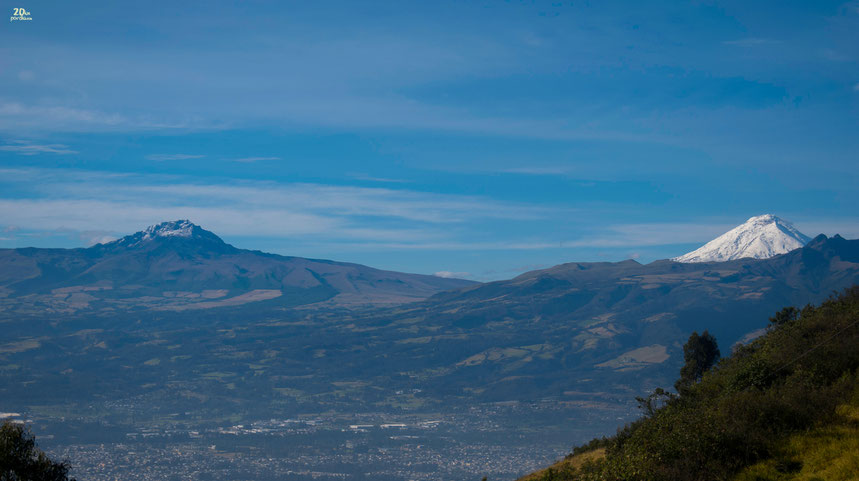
(183, 230)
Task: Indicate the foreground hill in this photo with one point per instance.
(784, 407)
(178, 266)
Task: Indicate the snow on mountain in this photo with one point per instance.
(760, 237)
(176, 229)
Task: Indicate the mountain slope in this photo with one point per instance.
(580, 327)
(783, 402)
(179, 265)
(588, 337)
(759, 237)
(579, 332)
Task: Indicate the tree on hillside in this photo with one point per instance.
(20, 459)
(784, 316)
(652, 403)
(700, 353)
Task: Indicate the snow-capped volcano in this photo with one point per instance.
(760, 237)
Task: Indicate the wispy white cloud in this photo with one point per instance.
(25, 147)
(333, 218)
(452, 275)
(81, 215)
(538, 170)
(466, 245)
(334, 200)
(661, 234)
(92, 237)
(58, 116)
(750, 41)
(360, 82)
(168, 157)
(625, 236)
(17, 116)
(656, 234)
(370, 178)
(248, 160)
(88, 201)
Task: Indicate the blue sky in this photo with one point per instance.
(478, 138)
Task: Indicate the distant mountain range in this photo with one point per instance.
(175, 318)
(760, 237)
(623, 323)
(174, 330)
(178, 265)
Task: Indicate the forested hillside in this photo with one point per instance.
(784, 407)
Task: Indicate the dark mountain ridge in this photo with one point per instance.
(591, 289)
(571, 331)
(179, 265)
(596, 324)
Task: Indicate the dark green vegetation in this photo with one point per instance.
(790, 393)
(700, 353)
(22, 460)
(829, 452)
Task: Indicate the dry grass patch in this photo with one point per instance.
(568, 463)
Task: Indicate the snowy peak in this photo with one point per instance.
(179, 230)
(760, 237)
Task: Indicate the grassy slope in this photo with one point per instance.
(785, 407)
(829, 452)
(568, 464)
